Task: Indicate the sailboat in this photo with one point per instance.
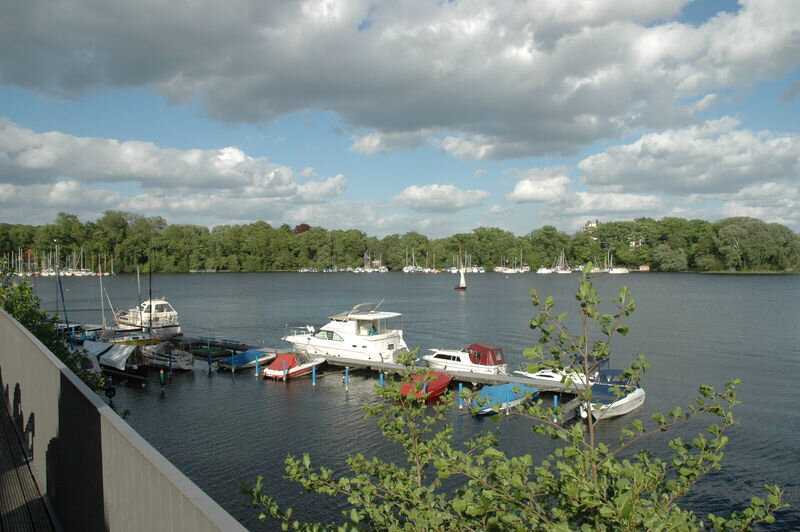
(462, 282)
(615, 270)
(562, 266)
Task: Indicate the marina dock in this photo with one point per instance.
(233, 346)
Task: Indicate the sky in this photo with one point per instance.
(388, 117)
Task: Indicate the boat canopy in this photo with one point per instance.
(364, 311)
(96, 348)
(117, 356)
(284, 361)
(486, 355)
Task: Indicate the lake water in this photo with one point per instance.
(695, 329)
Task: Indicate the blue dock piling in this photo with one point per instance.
(555, 405)
(313, 375)
(347, 378)
(460, 399)
(508, 402)
(381, 379)
(284, 371)
(256, 366)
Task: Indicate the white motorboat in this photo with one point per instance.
(570, 379)
(361, 333)
(155, 316)
(607, 404)
(477, 358)
(166, 355)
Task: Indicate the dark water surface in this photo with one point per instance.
(695, 329)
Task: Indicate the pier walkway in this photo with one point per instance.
(21, 504)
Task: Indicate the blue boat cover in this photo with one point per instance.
(500, 393)
(243, 358)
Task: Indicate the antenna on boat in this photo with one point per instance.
(379, 304)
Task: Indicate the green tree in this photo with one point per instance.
(670, 260)
(20, 301)
(584, 484)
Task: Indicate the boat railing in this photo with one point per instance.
(298, 330)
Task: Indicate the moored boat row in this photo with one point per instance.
(366, 336)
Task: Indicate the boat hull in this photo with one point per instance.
(437, 382)
(620, 407)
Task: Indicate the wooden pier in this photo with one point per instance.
(544, 385)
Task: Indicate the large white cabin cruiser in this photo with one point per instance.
(361, 333)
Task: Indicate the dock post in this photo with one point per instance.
(380, 379)
(256, 366)
(508, 402)
(460, 399)
(209, 361)
(347, 378)
(555, 405)
(313, 375)
(169, 362)
(284, 370)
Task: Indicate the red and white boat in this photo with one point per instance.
(477, 358)
(291, 365)
(428, 385)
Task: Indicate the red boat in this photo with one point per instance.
(436, 383)
(290, 365)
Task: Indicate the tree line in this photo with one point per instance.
(126, 241)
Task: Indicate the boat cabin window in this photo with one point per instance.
(328, 335)
(369, 327)
(443, 356)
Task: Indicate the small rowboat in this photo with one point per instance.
(428, 385)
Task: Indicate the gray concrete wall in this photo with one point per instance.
(96, 471)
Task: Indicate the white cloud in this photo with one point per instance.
(440, 198)
(376, 142)
(478, 147)
(499, 210)
(771, 202)
(499, 80)
(341, 215)
(714, 157)
(321, 191)
(539, 185)
(609, 204)
(27, 157)
(48, 172)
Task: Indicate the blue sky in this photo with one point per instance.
(391, 117)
